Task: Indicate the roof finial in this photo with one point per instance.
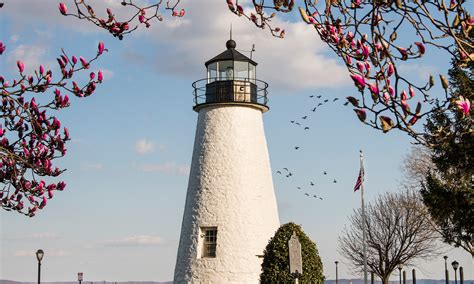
(230, 44)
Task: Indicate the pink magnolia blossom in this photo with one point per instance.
(100, 48)
(361, 114)
(390, 70)
(373, 89)
(63, 8)
(2, 47)
(100, 76)
(359, 81)
(411, 92)
(413, 120)
(464, 105)
(421, 47)
(20, 65)
(84, 62)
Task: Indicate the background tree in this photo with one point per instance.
(448, 190)
(398, 232)
(276, 263)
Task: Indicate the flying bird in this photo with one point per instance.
(297, 147)
(312, 184)
(326, 101)
(305, 117)
(306, 128)
(335, 99)
(320, 104)
(334, 181)
(314, 109)
(307, 194)
(292, 121)
(286, 169)
(298, 187)
(325, 173)
(279, 172)
(312, 96)
(318, 96)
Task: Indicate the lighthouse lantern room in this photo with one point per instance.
(231, 78)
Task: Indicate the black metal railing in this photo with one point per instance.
(238, 90)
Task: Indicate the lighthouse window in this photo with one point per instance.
(209, 235)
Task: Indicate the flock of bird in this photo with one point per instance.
(287, 173)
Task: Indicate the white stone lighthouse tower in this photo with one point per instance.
(230, 212)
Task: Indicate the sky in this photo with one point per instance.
(119, 218)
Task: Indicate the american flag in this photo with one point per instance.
(360, 179)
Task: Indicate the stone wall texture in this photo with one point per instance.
(230, 187)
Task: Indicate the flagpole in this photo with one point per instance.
(364, 237)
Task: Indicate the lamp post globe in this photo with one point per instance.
(39, 257)
(400, 272)
(455, 265)
(337, 278)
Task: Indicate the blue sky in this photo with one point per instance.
(127, 165)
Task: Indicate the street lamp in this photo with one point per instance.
(39, 257)
(400, 272)
(337, 279)
(455, 265)
(446, 272)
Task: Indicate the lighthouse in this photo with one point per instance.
(230, 211)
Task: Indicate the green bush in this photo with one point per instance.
(276, 262)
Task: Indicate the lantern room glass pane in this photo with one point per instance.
(241, 70)
(252, 73)
(212, 72)
(225, 70)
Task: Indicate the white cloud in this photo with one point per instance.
(135, 241)
(92, 166)
(14, 38)
(37, 236)
(166, 168)
(32, 253)
(294, 63)
(422, 72)
(144, 146)
(31, 55)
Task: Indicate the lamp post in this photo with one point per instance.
(446, 272)
(337, 279)
(400, 272)
(455, 265)
(39, 257)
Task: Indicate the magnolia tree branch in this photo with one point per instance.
(364, 34)
(141, 15)
(31, 135)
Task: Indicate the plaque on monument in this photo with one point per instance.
(296, 262)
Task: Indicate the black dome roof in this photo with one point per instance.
(231, 54)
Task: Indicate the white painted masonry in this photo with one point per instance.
(231, 188)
